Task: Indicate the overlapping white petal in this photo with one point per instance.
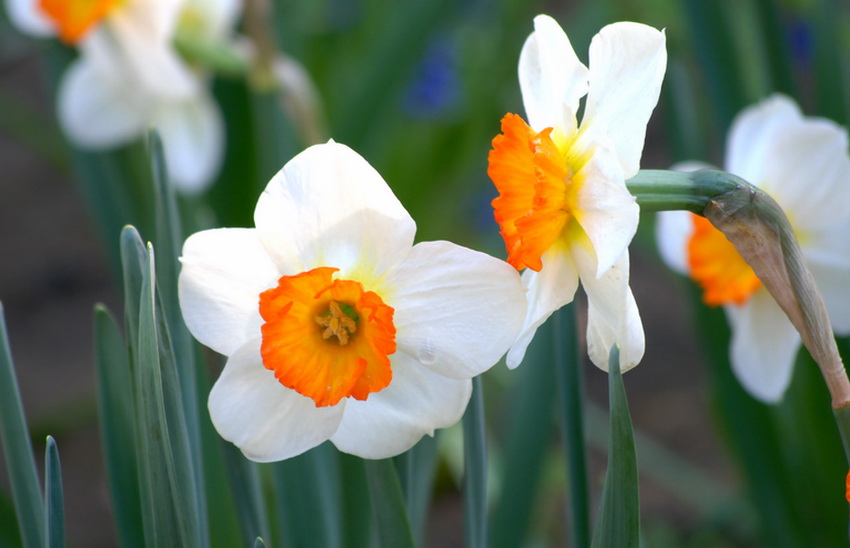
(551, 77)
(456, 311)
(266, 420)
(803, 164)
(456, 338)
(417, 402)
(28, 18)
(623, 82)
(329, 207)
(627, 65)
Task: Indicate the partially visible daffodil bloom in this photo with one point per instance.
(563, 207)
(803, 164)
(335, 325)
(129, 77)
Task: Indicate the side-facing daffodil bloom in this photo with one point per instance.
(803, 164)
(563, 207)
(336, 327)
(129, 77)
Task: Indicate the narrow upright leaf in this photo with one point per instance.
(388, 505)
(618, 523)
(117, 427)
(54, 506)
(17, 449)
(475, 470)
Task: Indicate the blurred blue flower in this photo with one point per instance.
(436, 86)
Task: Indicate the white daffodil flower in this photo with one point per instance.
(336, 327)
(803, 164)
(129, 78)
(563, 207)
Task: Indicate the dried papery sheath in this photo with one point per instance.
(761, 233)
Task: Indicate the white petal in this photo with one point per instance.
(613, 317)
(456, 310)
(551, 77)
(193, 139)
(391, 421)
(97, 111)
(752, 133)
(828, 258)
(548, 290)
(764, 346)
(266, 420)
(605, 209)
(673, 231)
(141, 33)
(808, 173)
(28, 18)
(627, 65)
(224, 271)
(329, 207)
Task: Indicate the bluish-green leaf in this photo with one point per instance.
(418, 466)
(355, 498)
(17, 449)
(117, 427)
(475, 470)
(570, 382)
(308, 494)
(54, 506)
(393, 528)
(166, 482)
(618, 522)
(527, 439)
(169, 240)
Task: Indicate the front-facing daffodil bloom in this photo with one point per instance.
(803, 164)
(129, 76)
(336, 327)
(563, 207)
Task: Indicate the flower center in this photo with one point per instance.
(717, 267)
(327, 339)
(336, 323)
(534, 183)
(74, 18)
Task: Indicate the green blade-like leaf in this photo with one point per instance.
(117, 427)
(169, 239)
(244, 480)
(388, 504)
(475, 469)
(618, 522)
(165, 479)
(307, 489)
(17, 449)
(568, 374)
(418, 466)
(355, 497)
(134, 264)
(54, 507)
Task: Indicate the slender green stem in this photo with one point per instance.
(475, 470)
(660, 190)
(571, 405)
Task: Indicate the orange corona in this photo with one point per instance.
(74, 18)
(534, 182)
(717, 267)
(327, 339)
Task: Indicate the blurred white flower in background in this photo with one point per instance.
(803, 164)
(129, 77)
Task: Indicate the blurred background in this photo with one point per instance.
(418, 88)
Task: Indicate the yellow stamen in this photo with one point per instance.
(337, 324)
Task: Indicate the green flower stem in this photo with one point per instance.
(660, 190)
